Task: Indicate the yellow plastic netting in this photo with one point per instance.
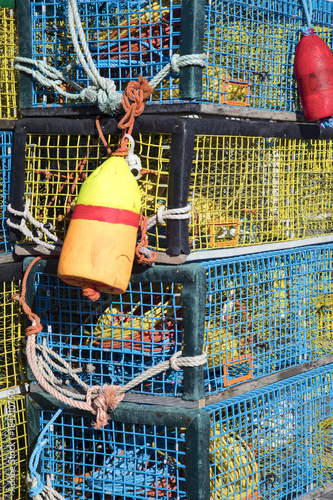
(233, 469)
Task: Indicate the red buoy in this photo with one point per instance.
(313, 68)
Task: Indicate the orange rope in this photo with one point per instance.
(141, 258)
(133, 101)
(35, 327)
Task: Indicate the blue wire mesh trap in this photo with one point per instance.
(13, 447)
(253, 315)
(266, 444)
(6, 144)
(250, 46)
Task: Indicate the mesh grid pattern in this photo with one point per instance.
(13, 448)
(12, 367)
(126, 38)
(250, 46)
(243, 190)
(6, 142)
(264, 444)
(263, 314)
(56, 166)
(121, 460)
(268, 443)
(8, 76)
(252, 190)
(119, 336)
(266, 313)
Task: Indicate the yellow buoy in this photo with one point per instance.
(99, 247)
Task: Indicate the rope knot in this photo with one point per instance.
(35, 485)
(107, 400)
(307, 31)
(159, 215)
(174, 63)
(174, 362)
(90, 293)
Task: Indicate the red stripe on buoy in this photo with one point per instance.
(106, 214)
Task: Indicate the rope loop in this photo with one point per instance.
(307, 31)
(173, 361)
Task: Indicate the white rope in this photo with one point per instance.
(23, 228)
(161, 216)
(176, 362)
(48, 493)
(103, 91)
(172, 214)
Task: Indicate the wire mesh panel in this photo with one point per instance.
(6, 144)
(250, 46)
(266, 444)
(253, 190)
(8, 76)
(126, 39)
(13, 448)
(242, 188)
(260, 314)
(12, 365)
(57, 165)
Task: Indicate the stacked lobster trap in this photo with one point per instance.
(8, 52)
(13, 419)
(248, 46)
(210, 377)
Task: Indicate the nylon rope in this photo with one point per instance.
(103, 91)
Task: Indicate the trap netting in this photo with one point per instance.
(13, 448)
(264, 444)
(250, 47)
(12, 364)
(242, 190)
(6, 144)
(57, 165)
(252, 316)
(8, 75)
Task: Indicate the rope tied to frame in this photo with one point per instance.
(103, 90)
(97, 400)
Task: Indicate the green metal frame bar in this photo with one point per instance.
(192, 42)
(196, 423)
(7, 3)
(193, 278)
(25, 50)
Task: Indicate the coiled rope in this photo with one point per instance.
(97, 400)
(102, 90)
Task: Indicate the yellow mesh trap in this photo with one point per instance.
(252, 190)
(8, 75)
(56, 166)
(13, 448)
(12, 366)
(242, 190)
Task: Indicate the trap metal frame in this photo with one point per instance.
(249, 48)
(183, 133)
(267, 443)
(120, 337)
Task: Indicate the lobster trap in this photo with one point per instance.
(8, 75)
(253, 317)
(249, 48)
(6, 143)
(265, 444)
(243, 183)
(12, 364)
(13, 447)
